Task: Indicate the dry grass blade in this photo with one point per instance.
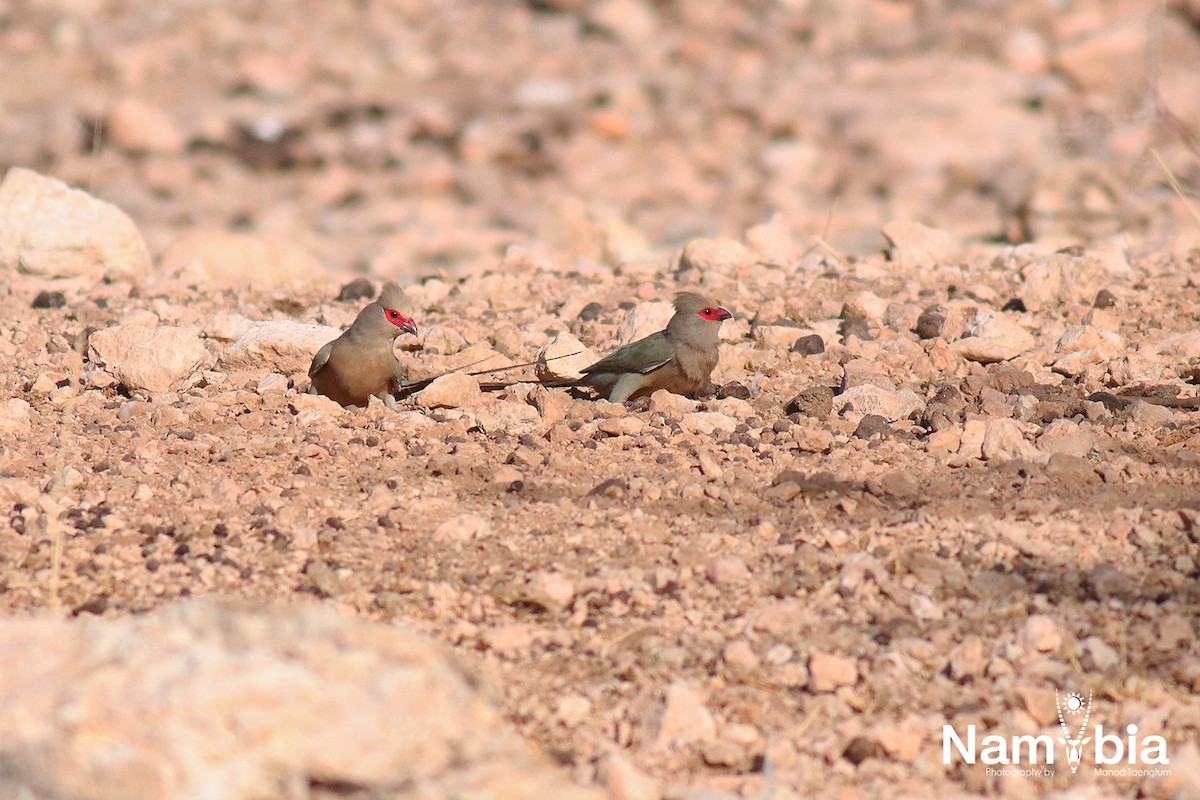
(1175, 185)
(820, 242)
(831, 250)
(411, 387)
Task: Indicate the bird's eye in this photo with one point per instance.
(392, 313)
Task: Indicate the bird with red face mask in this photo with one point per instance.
(360, 363)
(679, 358)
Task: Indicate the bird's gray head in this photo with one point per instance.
(698, 315)
(391, 315)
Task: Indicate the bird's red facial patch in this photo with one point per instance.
(400, 321)
(714, 313)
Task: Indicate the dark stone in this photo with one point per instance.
(591, 311)
(1109, 401)
(1072, 470)
(97, 605)
(320, 579)
(1010, 380)
(815, 401)
(1104, 299)
(930, 323)
(992, 585)
(939, 416)
(809, 345)
(733, 389)
(1014, 304)
(853, 325)
(49, 300)
(949, 396)
(897, 484)
(818, 484)
(357, 289)
(872, 425)
(612, 488)
(860, 749)
(1106, 581)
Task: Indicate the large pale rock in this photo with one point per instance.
(511, 417)
(1067, 278)
(225, 326)
(1107, 344)
(314, 409)
(993, 337)
(441, 340)
(475, 358)
(1111, 59)
(721, 256)
(707, 423)
(1138, 367)
(772, 241)
(1085, 346)
(50, 230)
(684, 718)
(148, 357)
(778, 617)
(564, 358)
(16, 416)
(139, 127)
(629, 21)
(1041, 633)
(1004, 440)
(829, 671)
(1067, 437)
(643, 320)
(224, 699)
(462, 528)
(617, 773)
(1183, 345)
(671, 404)
(455, 390)
(237, 259)
(941, 113)
(15, 490)
(891, 404)
(281, 346)
(779, 337)
(913, 245)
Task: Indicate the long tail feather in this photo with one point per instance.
(409, 388)
(495, 386)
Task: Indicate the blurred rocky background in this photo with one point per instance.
(408, 138)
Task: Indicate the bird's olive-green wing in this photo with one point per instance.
(319, 359)
(644, 355)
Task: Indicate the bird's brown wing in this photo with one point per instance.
(397, 382)
(319, 360)
(643, 356)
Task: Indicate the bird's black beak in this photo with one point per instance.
(410, 326)
(723, 313)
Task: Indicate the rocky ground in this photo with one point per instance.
(950, 469)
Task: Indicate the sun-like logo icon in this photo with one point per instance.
(1074, 703)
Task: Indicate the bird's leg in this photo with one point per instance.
(389, 400)
(639, 403)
